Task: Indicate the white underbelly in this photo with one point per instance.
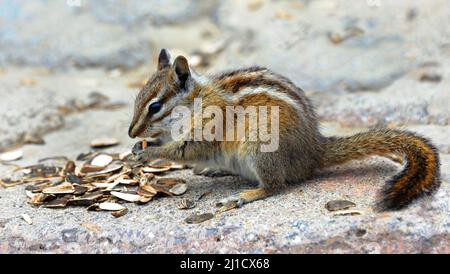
(235, 165)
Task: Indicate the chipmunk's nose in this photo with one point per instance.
(131, 133)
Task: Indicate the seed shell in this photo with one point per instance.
(126, 196)
(119, 213)
(198, 218)
(110, 206)
(64, 188)
(335, 205)
(104, 142)
(11, 155)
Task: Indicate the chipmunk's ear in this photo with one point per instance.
(182, 71)
(163, 59)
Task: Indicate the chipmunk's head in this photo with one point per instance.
(167, 88)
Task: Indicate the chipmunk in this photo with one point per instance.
(302, 149)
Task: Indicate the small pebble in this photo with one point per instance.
(27, 219)
(430, 77)
(30, 138)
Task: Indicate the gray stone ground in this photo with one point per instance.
(370, 79)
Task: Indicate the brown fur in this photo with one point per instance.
(302, 149)
(420, 175)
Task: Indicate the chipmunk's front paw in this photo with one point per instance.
(145, 150)
(143, 155)
(137, 148)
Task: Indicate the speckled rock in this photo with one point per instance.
(17, 118)
(294, 221)
(36, 33)
(31, 99)
(406, 101)
(380, 42)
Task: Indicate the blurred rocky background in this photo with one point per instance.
(69, 71)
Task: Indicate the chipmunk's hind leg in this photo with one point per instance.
(245, 197)
(268, 174)
(211, 172)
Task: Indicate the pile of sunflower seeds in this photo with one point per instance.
(97, 181)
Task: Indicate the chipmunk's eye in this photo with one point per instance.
(154, 107)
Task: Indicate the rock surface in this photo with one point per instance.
(361, 63)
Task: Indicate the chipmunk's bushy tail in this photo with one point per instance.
(420, 175)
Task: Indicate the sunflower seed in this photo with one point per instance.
(85, 200)
(112, 186)
(178, 189)
(93, 207)
(105, 185)
(198, 218)
(162, 163)
(126, 196)
(27, 219)
(336, 38)
(339, 205)
(119, 213)
(430, 77)
(146, 178)
(54, 181)
(104, 142)
(144, 200)
(69, 167)
(123, 181)
(38, 186)
(40, 198)
(80, 190)
(88, 168)
(113, 167)
(101, 160)
(64, 188)
(11, 155)
(86, 156)
(8, 182)
(114, 177)
(147, 191)
(155, 169)
(30, 194)
(35, 139)
(56, 203)
(110, 206)
(185, 204)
